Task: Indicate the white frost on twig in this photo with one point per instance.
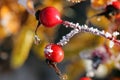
(84, 28)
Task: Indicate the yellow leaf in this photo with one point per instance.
(81, 42)
(21, 48)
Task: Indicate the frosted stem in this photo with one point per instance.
(66, 38)
(85, 28)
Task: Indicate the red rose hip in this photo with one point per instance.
(50, 17)
(85, 78)
(116, 4)
(54, 53)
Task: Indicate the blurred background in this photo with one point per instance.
(21, 59)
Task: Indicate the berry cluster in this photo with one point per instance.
(50, 17)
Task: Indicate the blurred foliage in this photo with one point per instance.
(75, 68)
(21, 50)
(81, 42)
(17, 24)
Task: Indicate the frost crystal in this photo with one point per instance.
(115, 33)
(108, 35)
(48, 50)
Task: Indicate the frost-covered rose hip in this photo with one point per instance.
(54, 53)
(49, 17)
(85, 78)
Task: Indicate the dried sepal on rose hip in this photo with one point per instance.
(54, 53)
